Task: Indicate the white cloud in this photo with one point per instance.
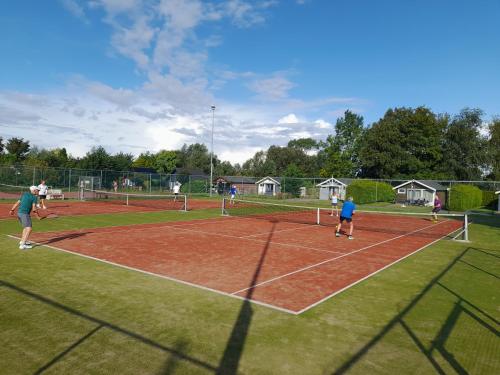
(274, 88)
(172, 104)
(288, 119)
(75, 9)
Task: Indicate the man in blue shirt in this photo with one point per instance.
(26, 203)
(346, 215)
(233, 191)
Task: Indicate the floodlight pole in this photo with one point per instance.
(212, 152)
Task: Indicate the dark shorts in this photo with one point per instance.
(348, 219)
(24, 219)
(334, 204)
(436, 210)
(42, 196)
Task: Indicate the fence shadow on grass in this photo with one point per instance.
(230, 360)
(175, 353)
(462, 306)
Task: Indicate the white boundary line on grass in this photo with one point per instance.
(332, 259)
(161, 276)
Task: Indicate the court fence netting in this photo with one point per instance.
(389, 222)
(157, 201)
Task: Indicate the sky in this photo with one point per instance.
(142, 75)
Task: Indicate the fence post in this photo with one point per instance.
(69, 182)
(150, 183)
(34, 175)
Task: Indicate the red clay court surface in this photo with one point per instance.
(75, 208)
(287, 266)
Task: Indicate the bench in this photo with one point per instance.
(55, 194)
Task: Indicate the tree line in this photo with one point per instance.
(404, 143)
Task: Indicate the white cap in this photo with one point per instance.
(33, 188)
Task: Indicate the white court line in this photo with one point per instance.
(163, 277)
(260, 241)
(332, 259)
(368, 276)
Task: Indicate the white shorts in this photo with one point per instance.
(232, 196)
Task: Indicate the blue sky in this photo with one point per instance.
(141, 75)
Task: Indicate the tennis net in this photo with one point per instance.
(154, 201)
(12, 191)
(376, 221)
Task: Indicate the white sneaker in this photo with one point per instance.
(26, 243)
(350, 237)
(25, 247)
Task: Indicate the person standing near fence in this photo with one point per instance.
(115, 186)
(335, 202)
(26, 204)
(437, 207)
(42, 193)
(176, 189)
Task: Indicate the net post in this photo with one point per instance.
(223, 208)
(466, 227)
(126, 197)
(185, 203)
(317, 216)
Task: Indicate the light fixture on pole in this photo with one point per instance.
(212, 151)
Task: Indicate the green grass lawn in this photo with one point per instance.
(435, 312)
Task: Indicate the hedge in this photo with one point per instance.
(364, 191)
(465, 197)
(489, 199)
(196, 186)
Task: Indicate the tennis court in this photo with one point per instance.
(278, 259)
(144, 203)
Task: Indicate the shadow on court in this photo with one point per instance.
(175, 353)
(230, 360)
(463, 307)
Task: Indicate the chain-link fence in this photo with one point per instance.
(67, 179)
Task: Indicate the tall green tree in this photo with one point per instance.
(195, 156)
(341, 153)
(291, 181)
(145, 160)
(304, 144)
(259, 165)
(121, 161)
(465, 149)
(18, 147)
(165, 161)
(494, 149)
(97, 158)
(405, 143)
(1, 145)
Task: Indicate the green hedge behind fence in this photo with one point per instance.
(370, 191)
(489, 199)
(465, 197)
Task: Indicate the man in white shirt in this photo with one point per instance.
(335, 202)
(176, 189)
(42, 194)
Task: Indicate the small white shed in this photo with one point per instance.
(268, 186)
(333, 185)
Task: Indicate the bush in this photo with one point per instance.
(465, 197)
(489, 199)
(364, 191)
(197, 186)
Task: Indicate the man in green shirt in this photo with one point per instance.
(26, 203)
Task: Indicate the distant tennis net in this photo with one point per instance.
(156, 201)
(12, 191)
(375, 221)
